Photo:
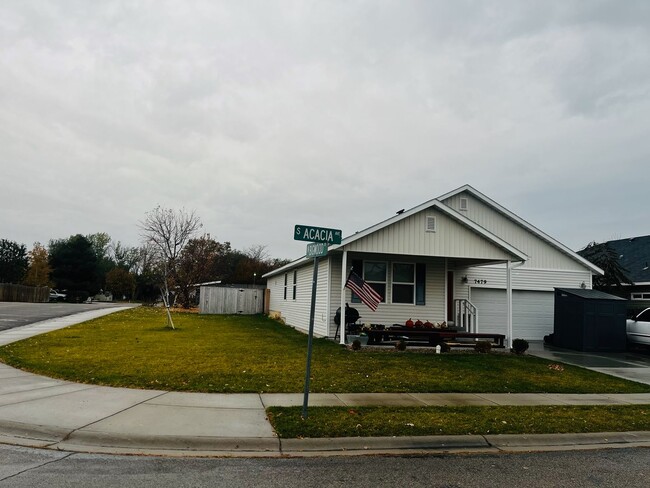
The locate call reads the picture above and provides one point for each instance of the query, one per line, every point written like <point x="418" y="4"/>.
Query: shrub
<point x="400" y="345"/>
<point x="356" y="345"/>
<point x="519" y="346"/>
<point x="483" y="347"/>
<point x="444" y="347"/>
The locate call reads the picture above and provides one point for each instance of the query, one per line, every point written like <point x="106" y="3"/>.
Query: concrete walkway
<point x="42" y="412"/>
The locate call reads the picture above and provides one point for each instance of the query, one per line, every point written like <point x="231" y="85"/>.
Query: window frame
<point x="354" y="298"/>
<point x="286" y="279"/>
<point x="412" y="283"/>
<point x="295" y="283"/>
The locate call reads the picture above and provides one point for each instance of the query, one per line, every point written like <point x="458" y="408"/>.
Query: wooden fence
<point x="20" y="293"/>
<point x="224" y="300"/>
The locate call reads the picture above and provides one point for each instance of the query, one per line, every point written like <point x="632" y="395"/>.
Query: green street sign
<point x="317" y="234"/>
<point x="316" y="250"/>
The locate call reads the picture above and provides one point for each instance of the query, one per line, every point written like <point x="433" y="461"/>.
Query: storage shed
<point x="589" y="320"/>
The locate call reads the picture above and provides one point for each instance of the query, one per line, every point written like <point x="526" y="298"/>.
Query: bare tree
<point x="257" y="252"/>
<point x="168" y="231"/>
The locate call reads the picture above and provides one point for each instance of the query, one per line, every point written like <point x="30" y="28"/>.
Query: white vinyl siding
<point x="398" y="313"/>
<point x="296" y="312"/>
<point x="522" y="278"/>
<point x="541" y="255"/>
<point x="409" y="237"/>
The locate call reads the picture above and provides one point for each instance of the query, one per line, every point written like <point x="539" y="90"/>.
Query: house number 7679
<point x="480" y="282"/>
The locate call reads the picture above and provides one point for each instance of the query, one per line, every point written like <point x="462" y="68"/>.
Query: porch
<point x="424" y="288"/>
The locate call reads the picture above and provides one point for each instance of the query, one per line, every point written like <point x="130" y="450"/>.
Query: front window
<point x="374" y="273"/>
<point x="403" y="283"/>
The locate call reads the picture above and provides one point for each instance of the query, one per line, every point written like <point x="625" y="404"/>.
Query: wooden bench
<point x="432" y="336"/>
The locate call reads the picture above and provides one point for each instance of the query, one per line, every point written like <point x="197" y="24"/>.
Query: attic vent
<point x="463" y="204"/>
<point x="431" y="223"/>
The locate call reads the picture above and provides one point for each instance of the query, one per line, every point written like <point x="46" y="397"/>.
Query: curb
<point x="196" y="446"/>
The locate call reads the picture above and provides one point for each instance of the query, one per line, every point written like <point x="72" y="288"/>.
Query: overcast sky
<point x="264" y="114"/>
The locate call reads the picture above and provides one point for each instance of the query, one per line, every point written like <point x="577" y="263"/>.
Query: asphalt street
<point x="17" y="314"/>
<point x="25" y="467"/>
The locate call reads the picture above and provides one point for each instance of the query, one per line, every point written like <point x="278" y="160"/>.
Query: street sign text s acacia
<point x="317" y="234"/>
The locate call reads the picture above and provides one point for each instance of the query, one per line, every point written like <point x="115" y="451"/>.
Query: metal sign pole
<point x="310" y="337"/>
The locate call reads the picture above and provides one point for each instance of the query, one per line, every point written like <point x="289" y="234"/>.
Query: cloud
<point x="261" y="115"/>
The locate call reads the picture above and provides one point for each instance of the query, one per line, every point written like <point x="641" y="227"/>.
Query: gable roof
<point x="634" y="256"/>
<point x="463" y="220"/>
<point x="531" y="228"/>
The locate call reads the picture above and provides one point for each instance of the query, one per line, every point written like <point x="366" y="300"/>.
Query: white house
<point x="460" y="258"/>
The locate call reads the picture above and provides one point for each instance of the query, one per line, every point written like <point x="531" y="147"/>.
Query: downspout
<point x="344" y="268"/>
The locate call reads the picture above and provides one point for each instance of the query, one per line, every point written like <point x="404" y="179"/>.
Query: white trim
<point x="444" y="209"/>
<point x="509" y="303"/>
<point x="392" y="282"/>
<point x="344" y="277"/>
<point x="524" y="224"/>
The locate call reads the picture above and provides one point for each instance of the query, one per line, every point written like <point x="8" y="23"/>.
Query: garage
<point x="532" y="312"/>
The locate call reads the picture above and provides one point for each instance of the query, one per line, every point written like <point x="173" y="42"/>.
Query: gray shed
<point x="589" y="320"/>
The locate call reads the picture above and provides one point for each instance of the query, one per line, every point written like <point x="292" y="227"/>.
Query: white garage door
<point x="532" y="312"/>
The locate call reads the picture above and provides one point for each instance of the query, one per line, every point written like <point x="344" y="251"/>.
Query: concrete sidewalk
<point x="42" y="412"/>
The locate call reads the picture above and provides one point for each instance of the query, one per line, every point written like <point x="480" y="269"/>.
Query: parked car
<point x="638" y="328"/>
<point x="55" y="296"/>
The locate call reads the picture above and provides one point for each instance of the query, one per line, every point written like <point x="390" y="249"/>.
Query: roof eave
<point x="558" y="245"/>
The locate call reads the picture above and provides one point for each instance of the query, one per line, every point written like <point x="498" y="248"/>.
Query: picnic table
<point x="433" y="337"/>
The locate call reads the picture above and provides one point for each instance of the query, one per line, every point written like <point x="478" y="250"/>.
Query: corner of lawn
<point x="235" y="353"/>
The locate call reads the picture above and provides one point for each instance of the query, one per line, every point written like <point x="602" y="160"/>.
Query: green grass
<point x="210" y="353"/>
<point x="409" y="421"/>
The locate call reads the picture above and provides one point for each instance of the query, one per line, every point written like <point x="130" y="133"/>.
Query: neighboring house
<point x="460" y="252"/>
<point x="634" y="257"/>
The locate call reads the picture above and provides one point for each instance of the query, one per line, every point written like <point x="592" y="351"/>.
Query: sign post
<point x="319" y="237"/>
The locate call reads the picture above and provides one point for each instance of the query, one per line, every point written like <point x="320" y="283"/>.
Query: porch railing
<point x="466" y="315"/>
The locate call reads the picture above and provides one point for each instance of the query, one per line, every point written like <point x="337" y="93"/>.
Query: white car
<point x="55" y="296"/>
<point x="638" y="329"/>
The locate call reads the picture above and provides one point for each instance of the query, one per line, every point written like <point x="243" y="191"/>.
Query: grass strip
<point x="420" y="421"/>
<point x="232" y="354"/>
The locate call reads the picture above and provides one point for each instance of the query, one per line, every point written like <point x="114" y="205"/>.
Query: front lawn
<point x="410" y="421"/>
<point x="212" y="353"/>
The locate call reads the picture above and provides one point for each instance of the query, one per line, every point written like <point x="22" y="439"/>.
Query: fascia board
<point x="293" y="264"/>
<point x="542" y="235"/>
<point x="445" y="209"/>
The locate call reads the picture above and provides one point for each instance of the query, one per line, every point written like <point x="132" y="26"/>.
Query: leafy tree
<point x="13" y="261"/>
<point x="74" y="266"/>
<point x="125" y="257"/>
<point x="102" y="247"/>
<point x="603" y="256"/>
<point x="38" y="272"/>
<point x="121" y="283"/>
<point x="198" y="263"/>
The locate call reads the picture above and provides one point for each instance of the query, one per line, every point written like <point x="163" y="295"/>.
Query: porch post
<point x="509" y="301"/>
<point x="344" y="273"/>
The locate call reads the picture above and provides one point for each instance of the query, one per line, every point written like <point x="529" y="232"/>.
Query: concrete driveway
<point x="631" y="365"/>
<point x="17" y="314"/>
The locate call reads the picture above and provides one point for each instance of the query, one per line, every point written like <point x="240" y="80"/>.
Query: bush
<point x="483" y="347"/>
<point x="519" y="346"/>
<point x="400" y="345"/>
<point x="444" y="347"/>
<point x="356" y="345"/>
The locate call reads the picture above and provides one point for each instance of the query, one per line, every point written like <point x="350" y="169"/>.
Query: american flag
<point x="363" y="290"/>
